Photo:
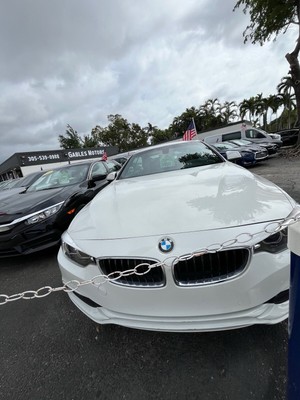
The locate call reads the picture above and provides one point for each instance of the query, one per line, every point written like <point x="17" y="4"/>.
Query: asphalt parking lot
<point x="49" y="350"/>
<point x="283" y="171"/>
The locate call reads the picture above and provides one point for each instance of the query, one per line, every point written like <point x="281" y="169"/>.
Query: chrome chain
<point x="98" y="280"/>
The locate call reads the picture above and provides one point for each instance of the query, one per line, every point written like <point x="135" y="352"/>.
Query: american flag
<point x="191" y="132"/>
<point x="104" y="156"/>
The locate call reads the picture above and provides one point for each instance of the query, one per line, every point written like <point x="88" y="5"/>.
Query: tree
<point x="180" y="123"/>
<point x="229" y="111"/>
<point x="288" y="115"/>
<point x="285" y="88"/>
<point x="121" y="133"/>
<point x="248" y="106"/>
<point x="268" y="19"/>
<point x="71" y="140"/>
<point x="161" y="135"/>
<point x="272" y="103"/>
<point x="210" y="113"/>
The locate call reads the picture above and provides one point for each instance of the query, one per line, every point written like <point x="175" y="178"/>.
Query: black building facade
<point x="21" y="164"/>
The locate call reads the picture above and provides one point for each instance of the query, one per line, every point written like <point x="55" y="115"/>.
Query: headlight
<point x="43" y="214"/>
<point x="76" y="255"/>
<point x="273" y="244"/>
<point x="246" y="154"/>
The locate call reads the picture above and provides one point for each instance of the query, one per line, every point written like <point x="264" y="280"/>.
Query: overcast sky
<point x="77" y="61"/>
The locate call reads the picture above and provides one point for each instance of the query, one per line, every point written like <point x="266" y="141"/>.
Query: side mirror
<point x="99" y="177"/>
<point x="111" y="176"/>
<point x="233" y="155"/>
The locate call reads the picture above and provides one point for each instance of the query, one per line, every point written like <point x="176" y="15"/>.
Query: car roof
<point x="168" y="144"/>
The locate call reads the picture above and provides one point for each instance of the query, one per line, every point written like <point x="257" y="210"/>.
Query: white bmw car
<point x="182" y="240"/>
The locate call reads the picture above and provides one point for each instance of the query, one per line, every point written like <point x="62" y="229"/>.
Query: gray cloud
<point x="74" y="62"/>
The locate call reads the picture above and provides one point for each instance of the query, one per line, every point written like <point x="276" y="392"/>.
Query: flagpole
<point x="191" y="131"/>
<point x="195" y="128"/>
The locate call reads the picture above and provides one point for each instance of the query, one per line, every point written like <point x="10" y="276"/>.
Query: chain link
<point x="144" y="268"/>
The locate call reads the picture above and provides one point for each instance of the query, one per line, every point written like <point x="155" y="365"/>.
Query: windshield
<point x="28" y="180"/>
<point x="170" y="158"/>
<point x="12" y="183"/>
<point x="242" y="142"/>
<point x="60" y="177"/>
<point x="225" y="146"/>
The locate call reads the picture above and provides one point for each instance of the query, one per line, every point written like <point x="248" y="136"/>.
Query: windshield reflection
<point x="60" y="177"/>
<point x="171" y="157"/>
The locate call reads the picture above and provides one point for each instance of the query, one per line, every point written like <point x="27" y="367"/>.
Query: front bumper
<point x="262" y="314"/>
<point x="234" y="303"/>
<point x="26" y="239"/>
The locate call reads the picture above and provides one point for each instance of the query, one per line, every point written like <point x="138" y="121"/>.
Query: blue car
<point x="248" y="156"/>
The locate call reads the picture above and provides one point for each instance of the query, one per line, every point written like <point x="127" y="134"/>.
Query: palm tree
<point x="181" y="122"/>
<point x="260" y="108"/>
<point x="273" y="103"/>
<point x="229" y="111"/>
<point x="263" y="105"/>
<point x="285" y="88"/>
<point x="248" y="106"/>
<point x="213" y="106"/>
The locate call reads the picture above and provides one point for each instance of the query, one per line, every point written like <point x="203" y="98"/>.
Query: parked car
<point x="18" y="185"/>
<point x="261" y="152"/>
<point x="289" y="137"/>
<point x="182" y="240"/>
<point x="10" y="183"/>
<point x="35" y="218"/>
<point x="5" y="184"/>
<point x="121" y="159"/>
<point x="248" y="157"/>
<point x="271" y="148"/>
<point x="28" y="180"/>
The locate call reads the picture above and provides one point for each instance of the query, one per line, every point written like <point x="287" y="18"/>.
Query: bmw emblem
<point x="166" y="245"/>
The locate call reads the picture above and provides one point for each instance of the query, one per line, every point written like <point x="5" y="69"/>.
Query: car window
<point x="60" y="177"/>
<point x="98" y="169"/>
<point x="4" y="184"/>
<point x="13" y="183"/>
<point x="28" y="180"/>
<point x="254" y="134"/>
<point x="225" y="146"/>
<point x="121" y="160"/>
<point x="231" y="136"/>
<point x="112" y="166"/>
<point x="170" y="158"/>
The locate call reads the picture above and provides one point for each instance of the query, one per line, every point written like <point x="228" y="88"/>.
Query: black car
<point x="35" y="218"/>
<point x="18" y="185"/>
<point x="271" y="148"/>
<point x="289" y="137"/>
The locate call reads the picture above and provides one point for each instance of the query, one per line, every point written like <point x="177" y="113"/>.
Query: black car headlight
<point x="274" y="243"/>
<point x="43" y="214"/>
<point x="76" y="255"/>
<point x="247" y="154"/>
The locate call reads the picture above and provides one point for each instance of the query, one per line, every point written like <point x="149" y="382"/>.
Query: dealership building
<point x="22" y="164"/>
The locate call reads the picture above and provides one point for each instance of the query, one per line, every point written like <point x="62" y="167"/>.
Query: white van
<point x="239" y="130"/>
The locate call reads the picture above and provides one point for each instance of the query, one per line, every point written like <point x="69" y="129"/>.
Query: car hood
<point x="249" y="148"/>
<point x="253" y="147"/>
<point x="4" y="194"/>
<point x="211" y="197"/>
<point x="24" y="203"/>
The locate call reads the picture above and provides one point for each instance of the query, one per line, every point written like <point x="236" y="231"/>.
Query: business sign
<point x="55" y="156"/>
<point x="41" y="157"/>
<point x="85" y="153"/>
